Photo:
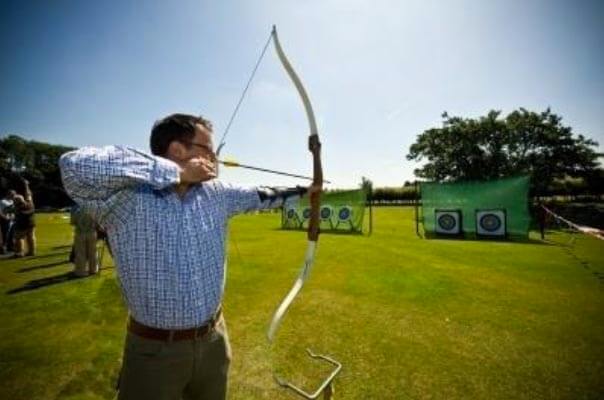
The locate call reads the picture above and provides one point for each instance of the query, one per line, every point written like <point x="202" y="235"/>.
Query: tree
<point x="366" y="184"/>
<point x="38" y="163"/>
<point x="490" y="147"/>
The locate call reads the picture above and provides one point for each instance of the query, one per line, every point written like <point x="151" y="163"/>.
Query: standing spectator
<point x="25" y="224"/>
<point x="84" y="243"/>
<point x="6" y="221"/>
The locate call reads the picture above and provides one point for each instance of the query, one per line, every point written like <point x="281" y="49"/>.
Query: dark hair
<point x="179" y="127"/>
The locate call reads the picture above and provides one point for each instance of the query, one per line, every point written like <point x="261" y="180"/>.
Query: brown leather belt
<point x="168" y="335"/>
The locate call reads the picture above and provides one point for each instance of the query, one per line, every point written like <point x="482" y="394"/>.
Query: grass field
<point x="408" y="318"/>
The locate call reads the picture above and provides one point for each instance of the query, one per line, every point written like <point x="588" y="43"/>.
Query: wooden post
<point x="417" y="210"/>
<point x="370" y="211"/>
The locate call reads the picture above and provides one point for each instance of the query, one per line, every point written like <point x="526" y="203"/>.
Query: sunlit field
<point x="408" y="318"/>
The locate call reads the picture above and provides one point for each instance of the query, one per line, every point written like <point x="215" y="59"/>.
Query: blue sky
<point x="378" y="73"/>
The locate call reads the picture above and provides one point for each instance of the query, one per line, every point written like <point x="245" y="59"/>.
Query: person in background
<point x="25" y="224"/>
<point x="6" y="222"/>
<point x="84" y="243"/>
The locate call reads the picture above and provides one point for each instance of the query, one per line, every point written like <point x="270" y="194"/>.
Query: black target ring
<point x="344" y="214"/>
<point x="490" y="222"/>
<point x="325" y="213"/>
<point x="447" y="222"/>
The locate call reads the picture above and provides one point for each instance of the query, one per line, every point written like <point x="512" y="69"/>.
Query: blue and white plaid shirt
<point x="169" y="251"/>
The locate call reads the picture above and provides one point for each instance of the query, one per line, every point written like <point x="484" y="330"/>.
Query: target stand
<point x="292" y="219"/>
<point x="326" y="387"/>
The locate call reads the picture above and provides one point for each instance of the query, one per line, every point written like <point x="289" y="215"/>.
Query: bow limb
<point x="315" y="195"/>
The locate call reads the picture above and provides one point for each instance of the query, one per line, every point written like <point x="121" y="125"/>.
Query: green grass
<point x="408" y="318"/>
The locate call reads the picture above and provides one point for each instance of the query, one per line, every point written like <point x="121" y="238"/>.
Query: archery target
<point x="291" y="214"/>
<point x="345" y="213"/>
<point x="491" y="222"/>
<point x="326" y="212"/>
<point x="448" y="222"/>
<point x="306" y="213"/>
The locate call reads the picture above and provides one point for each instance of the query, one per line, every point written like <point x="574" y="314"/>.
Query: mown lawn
<point x="409" y="318"/>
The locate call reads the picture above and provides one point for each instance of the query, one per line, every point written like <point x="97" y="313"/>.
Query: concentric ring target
<point x="306" y="213"/>
<point x="325" y="213"/>
<point x="291" y="213"/>
<point x="490" y="222"/>
<point x="344" y="214"/>
<point x="446" y="222"/>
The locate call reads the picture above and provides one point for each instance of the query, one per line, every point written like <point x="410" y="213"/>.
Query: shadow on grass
<point x="49" y="265"/>
<point x="101" y="375"/>
<point x="599" y="276"/>
<point x="62" y="253"/>
<point x="569" y="249"/>
<point x="62" y="247"/>
<point x="43" y="282"/>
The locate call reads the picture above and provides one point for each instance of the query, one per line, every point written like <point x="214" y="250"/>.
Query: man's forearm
<point x="272" y="197"/>
<point x="28" y="195"/>
<point x="96" y="173"/>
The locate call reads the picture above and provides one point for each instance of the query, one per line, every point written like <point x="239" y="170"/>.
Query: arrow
<point x="271" y="171"/>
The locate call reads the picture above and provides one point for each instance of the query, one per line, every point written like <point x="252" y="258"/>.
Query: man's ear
<point x="176" y="151"/>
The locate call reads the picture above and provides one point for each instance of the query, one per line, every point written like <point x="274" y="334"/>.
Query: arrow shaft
<point x="270" y="171"/>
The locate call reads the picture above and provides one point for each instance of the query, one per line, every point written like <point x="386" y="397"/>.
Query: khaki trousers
<point x="85" y="253"/>
<point x="187" y="369"/>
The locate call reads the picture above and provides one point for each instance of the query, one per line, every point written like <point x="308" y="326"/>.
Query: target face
<point x="490" y="222"/>
<point x="447" y="222"/>
<point x="291" y="213"/>
<point x="325" y="213"/>
<point x="344" y="213"/>
<point x="306" y="213"/>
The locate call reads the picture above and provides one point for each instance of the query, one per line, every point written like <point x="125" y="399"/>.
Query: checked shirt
<point x="169" y="251"/>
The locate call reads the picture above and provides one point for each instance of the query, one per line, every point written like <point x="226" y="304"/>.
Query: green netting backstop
<point x="510" y="195"/>
<point x="340" y="211"/>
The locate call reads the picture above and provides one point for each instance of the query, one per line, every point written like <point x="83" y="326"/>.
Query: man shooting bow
<point x="166" y="218"/>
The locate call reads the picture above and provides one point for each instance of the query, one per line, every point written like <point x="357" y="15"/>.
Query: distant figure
<point x="84" y="243"/>
<point x="7" y="216"/>
<point x="25" y="224"/>
<point x="542" y="218"/>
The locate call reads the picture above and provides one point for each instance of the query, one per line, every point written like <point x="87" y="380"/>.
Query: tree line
<point x="493" y="146"/>
<point x="521" y="143"/>
<point x="38" y="163"/>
